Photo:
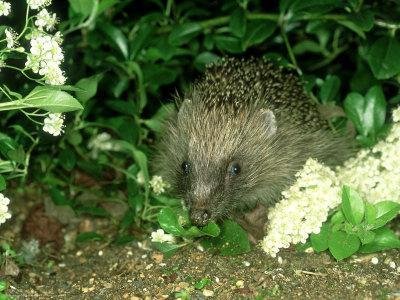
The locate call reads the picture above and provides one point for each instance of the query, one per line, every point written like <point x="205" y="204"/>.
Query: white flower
<point x="45" y="20"/>
<point x="4" y="214"/>
<point x="52" y="73"/>
<point x="158" y="184"/>
<point x="140" y="177"/>
<point x="10" y="38"/>
<point x="375" y="173"/>
<point x="53" y="124"/>
<point x="101" y="142"/>
<point x="5" y="8"/>
<point x="303" y="209"/>
<point x="36" y="4"/>
<point x="160" y="236"/>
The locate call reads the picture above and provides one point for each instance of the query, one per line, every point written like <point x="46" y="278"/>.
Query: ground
<point x="102" y="270"/>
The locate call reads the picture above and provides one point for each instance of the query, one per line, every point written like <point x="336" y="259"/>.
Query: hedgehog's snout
<point x="200" y="216"/>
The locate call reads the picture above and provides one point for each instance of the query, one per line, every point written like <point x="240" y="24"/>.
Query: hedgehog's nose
<point x="200" y="217"/>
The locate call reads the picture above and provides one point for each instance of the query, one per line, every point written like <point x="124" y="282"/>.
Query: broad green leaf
<point x="366" y="236"/>
<point x="51" y="99"/>
<point x="204" y="59"/>
<point x="320" y="241"/>
<point x="352" y="205"/>
<point x="168" y="221"/>
<point x="3" y="184"/>
<point x="227" y="43"/>
<point x="257" y="32"/>
<point x="367" y="113"/>
<point x="211" y="229"/>
<point x="385" y="212"/>
<point x="338" y="217"/>
<point x="67" y="159"/>
<point x="383" y="57"/>
<point x="117" y="37"/>
<point x="181" y="34"/>
<point x="384" y="239"/>
<point x="88" y="87"/>
<point x="330" y="89"/>
<point x="17" y="155"/>
<point x="202" y="283"/>
<point x="82" y="7"/>
<point x="3" y="285"/>
<point x="167" y="249"/>
<point x="233" y="240"/>
<point x="140" y="38"/>
<point x="370" y="213"/>
<point x="237" y="23"/>
<point x="343" y="245"/>
<point x="89" y="236"/>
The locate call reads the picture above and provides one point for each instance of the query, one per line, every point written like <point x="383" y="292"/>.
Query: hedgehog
<point x="238" y="137"/>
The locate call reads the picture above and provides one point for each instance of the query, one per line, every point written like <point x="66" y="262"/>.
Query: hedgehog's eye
<point x="185" y="167"/>
<point x="234" y="169"/>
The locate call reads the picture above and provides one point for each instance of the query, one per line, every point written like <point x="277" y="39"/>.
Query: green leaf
<point x="383" y="57"/>
<point x="352" y="206"/>
<point x="168" y="221"/>
<point x="233" y="240"/>
<point x="82" y="7"/>
<point x="320" y="241"/>
<point x="67" y="159"/>
<point x="123" y="107"/>
<point x="117" y="37"/>
<point x="211" y="229"/>
<point x="167" y="249"/>
<point x="312" y="6"/>
<point x="330" y="89"/>
<point x="366" y="236"/>
<point x="3" y="285"/>
<point x="124" y="239"/>
<point x="157" y="121"/>
<point x="204" y="59"/>
<point x="343" y="245"/>
<point x="385" y="212"/>
<point x="202" y="283"/>
<point x="3" y="183"/>
<point x="367" y="113"/>
<point x="257" y="32"/>
<point x="183" y="33"/>
<point x="230" y="44"/>
<point x="370" y="213"/>
<point x="88" y="87"/>
<point x="51" y="99"/>
<point x="338" y="217"/>
<point x="384" y="239"/>
<point x="237" y="23"/>
<point x="89" y="236"/>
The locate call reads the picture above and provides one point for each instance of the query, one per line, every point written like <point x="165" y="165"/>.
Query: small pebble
<point x="91" y="280"/>
<point x="240" y="284"/>
<point x="79" y="253"/>
<point x="280" y="260"/>
<point x="200" y="248"/>
<point x="129" y="253"/>
<point x="392" y="264"/>
<point x="144" y="256"/>
<point x="375" y="260"/>
<point x="148" y="267"/>
<point x="62" y="265"/>
<point x="208" y="293"/>
<point x="246" y="263"/>
<point x="101" y="253"/>
<point x="216" y="279"/>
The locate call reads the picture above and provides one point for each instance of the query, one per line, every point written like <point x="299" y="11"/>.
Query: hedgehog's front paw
<point x="253" y="222"/>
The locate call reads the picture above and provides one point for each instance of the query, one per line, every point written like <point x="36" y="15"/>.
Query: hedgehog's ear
<point x="269" y="121"/>
<point x="183" y="109"/>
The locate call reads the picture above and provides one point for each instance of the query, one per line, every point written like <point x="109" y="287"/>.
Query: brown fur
<point x="226" y="118"/>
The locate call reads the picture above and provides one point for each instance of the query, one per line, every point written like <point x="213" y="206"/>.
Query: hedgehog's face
<point x="216" y="174"/>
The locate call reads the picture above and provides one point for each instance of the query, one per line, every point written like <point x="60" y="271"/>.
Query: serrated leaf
<point x="384" y="239"/>
<point x="385" y="212"/>
<point x="51" y="99"/>
<point x="383" y="57"/>
<point x="343" y="245"/>
<point x="320" y="241"/>
<point x="352" y="205"/>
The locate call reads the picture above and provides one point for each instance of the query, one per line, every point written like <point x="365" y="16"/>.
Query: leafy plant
<point x="357" y="226"/>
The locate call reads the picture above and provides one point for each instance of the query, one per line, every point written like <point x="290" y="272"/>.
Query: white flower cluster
<point x="36" y="4"/>
<point x="4" y="214"/>
<point x="54" y="124"/>
<point x="10" y="38"/>
<point x="375" y="173"/>
<point x="5" y="8"/>
<point x="160" y="236"/>
<point x="46" y="56"/>
<point x="158" y="185"/>
<point x="303" y="209"/>
<point x="102" y="142"/>
<point x="46" y="20"/>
